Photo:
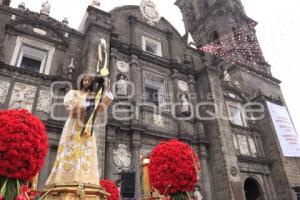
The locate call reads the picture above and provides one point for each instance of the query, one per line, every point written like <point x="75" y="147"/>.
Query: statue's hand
<point x="91" y="96"/>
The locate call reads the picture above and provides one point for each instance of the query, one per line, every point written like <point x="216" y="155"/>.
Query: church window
<point x="32" y="59"/>
<point x="236" y="114"/>
<point x="155" y="92"/>
<point x="32" y="55"/>
<point x="244" y="145"/>
<point x="151" y="46"/>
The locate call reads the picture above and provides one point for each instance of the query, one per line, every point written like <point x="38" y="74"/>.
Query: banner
<point x="288" y="138"/>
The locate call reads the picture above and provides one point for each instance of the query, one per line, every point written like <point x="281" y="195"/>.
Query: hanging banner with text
<point x="288" y="138"/>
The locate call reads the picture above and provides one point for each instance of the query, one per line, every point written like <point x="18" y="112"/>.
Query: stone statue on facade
<point x="121" y="86"/>
<point x="226" y="76"/>
<point x="122" y="158"/>
<point x="184" y="104"/>
<point x="45" y="8"/>
<point x="95" y="3"/>
<point x="197" y="194"/>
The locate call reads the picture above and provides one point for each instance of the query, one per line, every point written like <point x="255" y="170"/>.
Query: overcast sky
<point x="278" y="32"/>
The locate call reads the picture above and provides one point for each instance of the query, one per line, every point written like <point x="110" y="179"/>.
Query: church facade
<point x="164" y="87"/>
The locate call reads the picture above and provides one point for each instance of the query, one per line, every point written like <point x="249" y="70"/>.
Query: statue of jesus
<point x="76" y="160"/>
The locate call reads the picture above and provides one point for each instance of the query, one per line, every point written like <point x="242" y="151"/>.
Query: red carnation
<point x="173" y="168"/>
<point x="23" y="144"/>
<point x="111" y="188"/>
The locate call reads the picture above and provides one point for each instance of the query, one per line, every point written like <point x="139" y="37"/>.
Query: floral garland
<point x="111" y="188"/>
<point x="173" y="169"/>
<point x="23" y="148"/>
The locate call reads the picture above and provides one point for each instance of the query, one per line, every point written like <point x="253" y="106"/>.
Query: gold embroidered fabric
<point x="76" y="160"/>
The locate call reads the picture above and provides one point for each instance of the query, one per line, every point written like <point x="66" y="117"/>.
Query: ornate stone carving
<point x="65" y="21"/>
<point x="45" y="8"/>
<point x="122" y="158"/>
<point x="148" y="9"/>
<point x="184" y="104"/>
<point x="121" y="86"/>
<point x="22" y="96"/>
<point x="243" y="144"/>
<point x="226" y="76"/>
<point x="122" y="66"/>
<point x="4" y="86"/>
<point x="158" y="120"/>
<point x="235" y="142"/>
<point x="40" y="31"/>
<point x="44" y="102"/>
<point x="234" y="171"/>
<point x="21" y="6"/>
<point x="95" y="3"/>
<point x="182" y="85"/>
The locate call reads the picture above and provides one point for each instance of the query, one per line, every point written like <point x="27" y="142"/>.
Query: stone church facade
<point x="162" y="86"/>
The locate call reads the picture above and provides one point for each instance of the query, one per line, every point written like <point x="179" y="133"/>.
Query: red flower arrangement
<point x="173" y="168"/>
<point x="111" y="188"/>
<point x="23" y="148"/>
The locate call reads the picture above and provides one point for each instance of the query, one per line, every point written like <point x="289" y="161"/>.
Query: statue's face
<point x="122" y="77"/>
<point x="87" y="82"/>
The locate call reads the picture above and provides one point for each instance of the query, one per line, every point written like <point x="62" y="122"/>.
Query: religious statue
<point x="76" y="160"/>
<point x="184" y="104"/>
<point x="121" y="86"/>
<point x="226" y="76"/>
<point x="197" y="194"/>
<point x="95" y="3"/>
<point x="45" y="8"/>
<point x="76" y="163"/>
<point x="122" y="158"/>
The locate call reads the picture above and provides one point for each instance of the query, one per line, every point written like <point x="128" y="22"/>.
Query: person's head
<point x="86" y="83"/>
<point x="122" y="77"/>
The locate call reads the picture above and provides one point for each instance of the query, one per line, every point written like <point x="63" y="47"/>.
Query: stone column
<point x="192" y="89"/>
<point x="205" y="173"/>
<point x="170" y="46"/>
<point x="267" y="188"/>
<point x="136" y="78"/>
<point x="132" y="22"/>
<point x="112" y="66"/>
<point x="49" y="161"/>
<point x="176" y="89"/>
<point x="45" y="171"/>
<point x="109" y="165"/>
<point x="136" y="144"/>
<point x="272" y="188"/>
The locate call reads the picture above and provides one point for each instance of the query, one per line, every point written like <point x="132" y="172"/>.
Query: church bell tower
<point x="225" y="23"/>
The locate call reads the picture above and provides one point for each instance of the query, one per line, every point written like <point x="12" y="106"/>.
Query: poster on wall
<point x="288" y="138"/>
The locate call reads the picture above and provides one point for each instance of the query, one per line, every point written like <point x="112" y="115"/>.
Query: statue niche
<point x="121" y="87"/>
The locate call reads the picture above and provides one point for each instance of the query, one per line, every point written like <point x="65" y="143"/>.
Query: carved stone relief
<point x="44" y="102"/>
<point x="122" y="158"/>
<point x="158" y="120"/>
<point x="183" y="86"/>
<point x="243" y="144"/>
<point x="122" y="66"/>
<point x="121" y="89"/>
<point x="22" y="96"/>
<point x="148" y="9"/>
<point x="4" y="86"/>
